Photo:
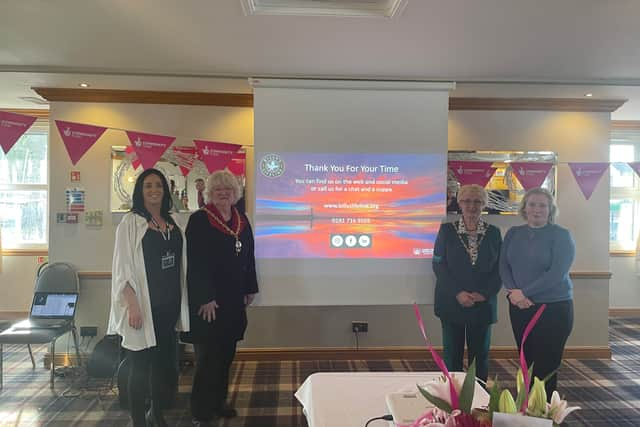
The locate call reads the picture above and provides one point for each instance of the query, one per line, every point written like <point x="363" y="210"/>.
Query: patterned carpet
<point x="607" y="390"/>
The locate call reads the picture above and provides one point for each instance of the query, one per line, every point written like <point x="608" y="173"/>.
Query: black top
<point x="162" y="259"/>
<point x="216" y="272"/>
<point x="455" y="273"/>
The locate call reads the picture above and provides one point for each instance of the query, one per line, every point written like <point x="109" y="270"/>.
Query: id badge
<point x="168" y="260"/>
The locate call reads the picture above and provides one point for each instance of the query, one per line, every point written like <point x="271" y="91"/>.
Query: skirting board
<point x="388" y="353"/>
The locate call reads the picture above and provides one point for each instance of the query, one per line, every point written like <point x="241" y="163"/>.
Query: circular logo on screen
<point x="271" y="165"/>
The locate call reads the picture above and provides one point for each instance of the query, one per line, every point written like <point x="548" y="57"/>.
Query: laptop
<point x="50" y="310"/>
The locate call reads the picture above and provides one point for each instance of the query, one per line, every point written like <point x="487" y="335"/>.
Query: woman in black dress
<point x="221" y="278"/>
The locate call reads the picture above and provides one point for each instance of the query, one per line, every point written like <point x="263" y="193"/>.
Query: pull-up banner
<point x="12" y="127"/>
<point x="149" y="147"/>
<point x="237" y="164"/>
<point x="472" y="172"/>
<point x="531" y="174"/>
<point x="78" y="138"/>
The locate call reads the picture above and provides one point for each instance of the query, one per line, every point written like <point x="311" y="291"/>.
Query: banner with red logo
<point x="587" y="175"/>
<point x="12" y="127"/>
<point x="184" y="158"/>
<point x="215" y="155"/>
<point x="237" y="164"/>
<point x="149" y="147"/>
<point x="531" y="174"/>
<point x="78" y="138"/>
<point x="472" y="172"/>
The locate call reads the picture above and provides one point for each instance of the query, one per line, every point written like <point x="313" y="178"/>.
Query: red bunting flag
<point x="587" y="175"/>
<point x="184" y="158"/>
<point x="237" y="164"/>
<point x="133" y="156"/>
<point x="149" y="147"/>
<point x="12" y="127"/>
<point x="472" y="172"/>
<point x="531" y="174"/>
<point x="215" y="155"/>
<point x="635" y="166"/>
<point x="78" y="138"/>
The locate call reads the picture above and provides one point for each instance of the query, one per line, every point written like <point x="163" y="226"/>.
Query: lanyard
<point x="168" y="236"/>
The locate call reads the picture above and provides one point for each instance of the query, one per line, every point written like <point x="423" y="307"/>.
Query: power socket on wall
<point x="88" y="331"/>
<point x="359" y="326"/>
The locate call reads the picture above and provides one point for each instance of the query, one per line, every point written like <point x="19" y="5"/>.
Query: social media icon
<point x="337" y="240"/>
<point x="364" y="241"/>
<point x="351" y="240"/>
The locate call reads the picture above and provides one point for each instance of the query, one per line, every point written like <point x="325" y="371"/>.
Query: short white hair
<point x="226" y="179"/>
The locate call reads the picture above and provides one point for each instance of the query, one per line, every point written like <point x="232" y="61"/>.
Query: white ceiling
<point x="580" y="45"/>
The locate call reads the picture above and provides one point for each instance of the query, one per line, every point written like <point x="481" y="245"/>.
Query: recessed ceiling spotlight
<point x="588" y="95"/>
<point x="84" y="85"/>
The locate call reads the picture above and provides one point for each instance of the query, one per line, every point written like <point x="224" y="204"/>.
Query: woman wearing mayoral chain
<point x="465" y="261"/>
<point x="222" y="282"/>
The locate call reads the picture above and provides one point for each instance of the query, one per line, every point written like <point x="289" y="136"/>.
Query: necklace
<point x="226" y="228"/>
<point x="474" y="241"/>
<point x="157" y="225"/>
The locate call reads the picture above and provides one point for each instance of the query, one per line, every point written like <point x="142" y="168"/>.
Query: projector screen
<point x="350" y="180"/>
<point x="328" y="205"/>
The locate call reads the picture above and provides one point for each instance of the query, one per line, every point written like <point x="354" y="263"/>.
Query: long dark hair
<point x="138" y="198"/>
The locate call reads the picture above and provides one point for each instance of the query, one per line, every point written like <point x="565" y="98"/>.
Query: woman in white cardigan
<point x="149" y="300"/>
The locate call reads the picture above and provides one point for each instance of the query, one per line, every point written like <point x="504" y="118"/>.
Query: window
<point x="624" y="208"/>
<point x="24" y="189"/>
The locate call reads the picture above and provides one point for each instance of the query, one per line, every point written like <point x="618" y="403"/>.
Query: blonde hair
<point x="473" y="189"/>
<point x="223" y="178"/>
<point x="553" y="208"/>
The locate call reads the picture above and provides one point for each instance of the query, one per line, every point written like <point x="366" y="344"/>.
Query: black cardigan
<point x="455" y="273"/>
<point x="215" y="272"/>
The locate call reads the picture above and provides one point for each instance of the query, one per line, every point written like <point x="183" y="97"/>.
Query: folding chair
<point x="57" y="282"/>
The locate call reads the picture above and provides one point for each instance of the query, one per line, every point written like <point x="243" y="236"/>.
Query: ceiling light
<point x="84" y="85"/>
<point x="588" y="95"/>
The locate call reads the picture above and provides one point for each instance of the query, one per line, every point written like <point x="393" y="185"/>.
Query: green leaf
<point x="468" y="387"/>
<point x="522" y="393"/>
<point x="494" y="397"/>
<point x="439" y="403"/>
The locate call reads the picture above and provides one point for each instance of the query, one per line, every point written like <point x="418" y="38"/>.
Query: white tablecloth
<point x="350" y="399"/>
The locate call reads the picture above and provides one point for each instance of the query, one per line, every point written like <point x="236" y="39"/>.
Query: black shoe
<point x="199" y="423"/>
<point x="155" y="419"/>
<point x="227" y="412"/>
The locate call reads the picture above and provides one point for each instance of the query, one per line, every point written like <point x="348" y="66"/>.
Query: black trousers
<point x="545" y="344"/>
<point x="153" y="371"/>
<point x="478" y="338"/>
<point x="211" y="378"/>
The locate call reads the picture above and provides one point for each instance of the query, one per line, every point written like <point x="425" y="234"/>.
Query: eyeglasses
<point x="470" y="202"/>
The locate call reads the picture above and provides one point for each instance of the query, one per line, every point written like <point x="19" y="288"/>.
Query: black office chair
<point x="57" y="277"/>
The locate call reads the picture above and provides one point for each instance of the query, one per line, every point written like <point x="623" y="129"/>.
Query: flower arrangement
<point x="452" y="395"/>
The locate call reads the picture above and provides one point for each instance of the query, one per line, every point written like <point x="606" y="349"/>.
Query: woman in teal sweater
<point x="465" y="261"/>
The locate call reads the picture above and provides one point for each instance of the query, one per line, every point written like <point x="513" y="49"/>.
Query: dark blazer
<point x="215" y="272"/>
<point x="455" y="273"/>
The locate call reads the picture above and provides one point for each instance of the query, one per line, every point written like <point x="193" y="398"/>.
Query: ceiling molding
<point x="536" y="104"/>
<point x="261" y="82"/>
<point x="145" y="97"/>
<point x="39" y="113"/>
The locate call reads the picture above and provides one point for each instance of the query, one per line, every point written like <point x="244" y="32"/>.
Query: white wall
<point x="625" y="283"/>
<point x="575" y="136"/>
<point x="90" y="249"/>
